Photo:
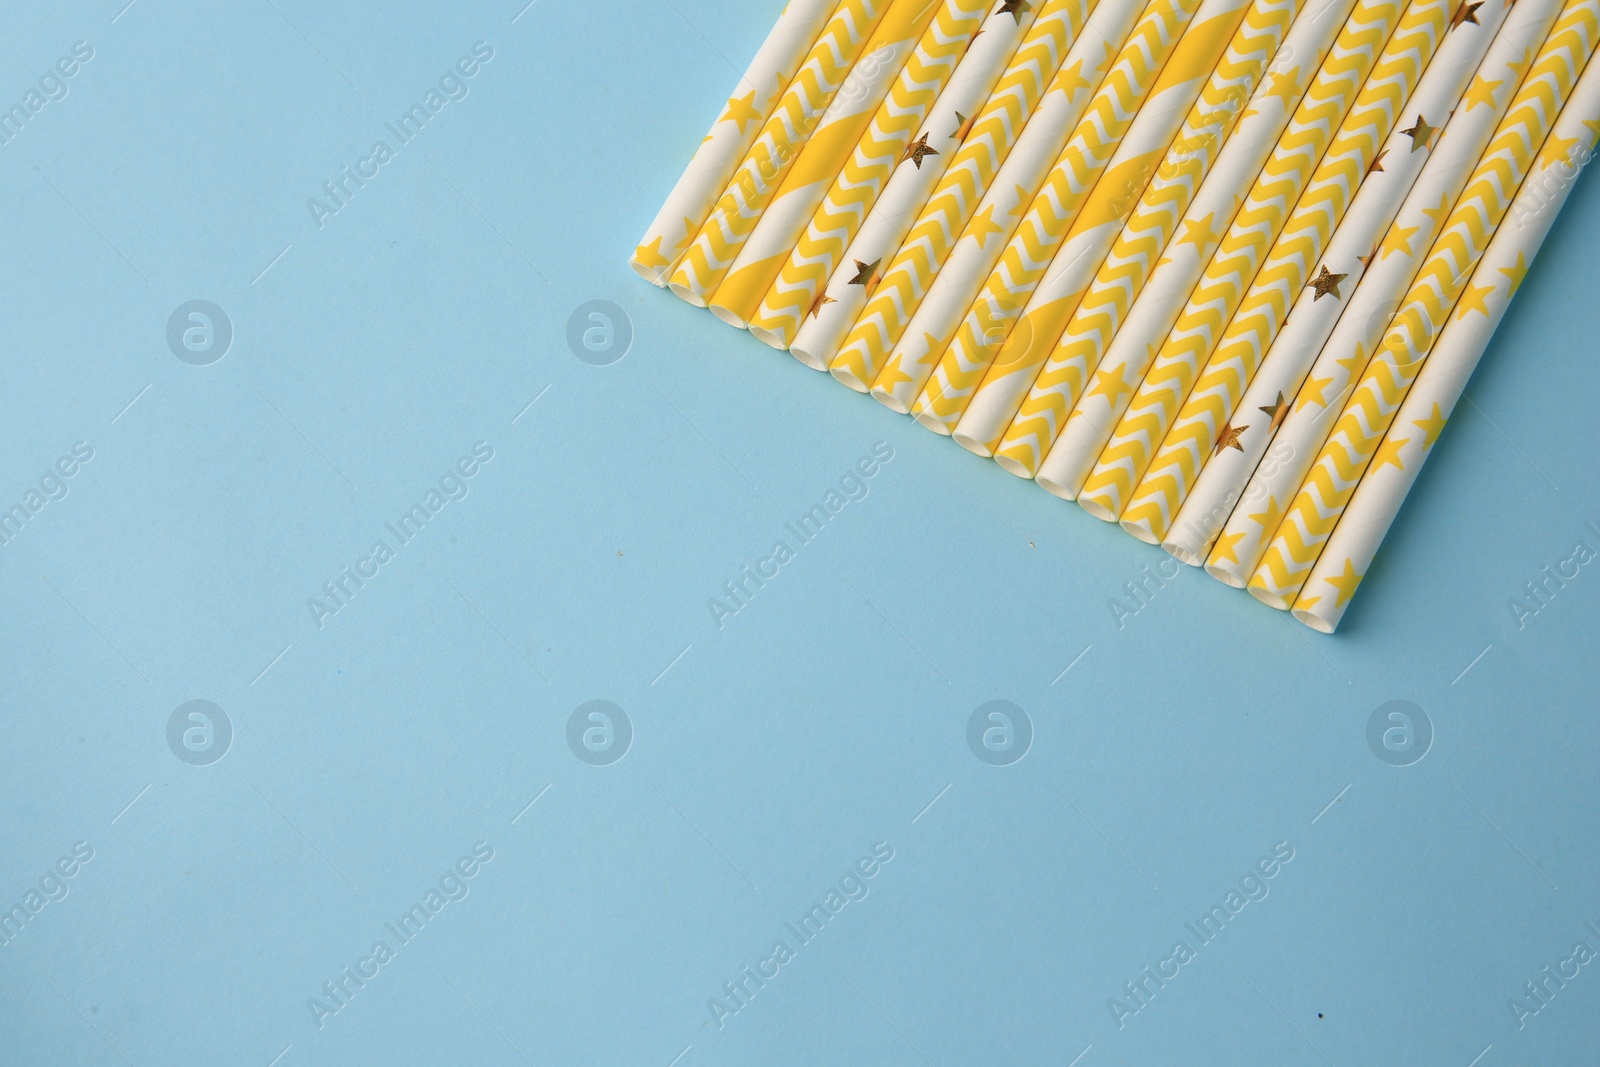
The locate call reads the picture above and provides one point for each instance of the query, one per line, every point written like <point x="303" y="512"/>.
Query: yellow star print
<point x="1557" y="150"/>
<point x="1439" y="214"/>
<point x="1481" y="92"/>
<point x="1311" y="393"/>
<point x="894" y="373"/>
<point x="983" y="225"/>
<point x="1430" y="427"/>
<point x="650" y="255"/>
<point x="1268" y="520"/>
<point x="1346" y="584"/>
<point x="1070" y="79"/>
<point x="1109" y="382"/>
<point x="1199" y="232"/>
<point x="1516" y="272"/>
<point x="742" y="109"/>
<point x="1285" y="87"/>
<point x="1227" y="548"/>
<point x="1389" y="452"/>
<point x="1398" y="239"/>
<point x="1472" y="300"/>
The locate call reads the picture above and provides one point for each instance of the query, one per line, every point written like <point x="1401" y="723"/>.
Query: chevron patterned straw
<point x="1032" y="75"/>
<point x="837" y="301"/>
<point x="1079" y="422"/>
<point x="1250" y="528"/>
<point x="1120" y="189"/>
<point x="731" y="136"/>
<point x="1233" y="266"/>
<point x="856" y="188"/>
<point x="974" y="255"/>
<point x="1204" y="424"/>
<point x="783" y="135"/>
<point x="833" y="142"/>
<point x="993" y="303"/>
<point x="1273" y="388"/>
<point x="1441" y="281"/>
<point x="1432" y="397"/>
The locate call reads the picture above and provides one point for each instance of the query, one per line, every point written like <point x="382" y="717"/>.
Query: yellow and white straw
<point x="1443" y="279"/>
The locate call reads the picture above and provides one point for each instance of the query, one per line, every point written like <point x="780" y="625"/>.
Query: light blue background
<point x="770" y="754"/>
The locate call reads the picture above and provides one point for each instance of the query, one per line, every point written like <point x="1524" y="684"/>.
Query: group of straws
<point x="1218" y="270"/>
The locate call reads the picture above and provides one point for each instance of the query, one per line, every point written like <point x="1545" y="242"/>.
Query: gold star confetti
<point x="1464" y="14"/>
<point x="1229" y="438"/>
<point x="1366" y="260"/>
<point x="1377" y="161"/>
<point x="919" y="149"/>
<point x="1326" y="284"/>
<point x="1015" y="8"/>
<point x="964" y="129"/>
<point x="867" y="275"/>
<point x="1420" y="134"/>
<point x="1278" y="410"/>
<point x="822" y="301"/>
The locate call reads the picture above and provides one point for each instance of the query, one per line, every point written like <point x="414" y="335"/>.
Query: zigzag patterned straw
<point x="1032" y="74"/>
<point x="974" y="255"/>
<point x="1074" y="424"/>
<point x="1272" y="390"/>
<point x="1216" y="29"/>
<point x="1204" y="424"/>
<point x="826" y="152"/>
<point x="1433" y="396"/>
<point x="723" y="234"/>
<point x="1442" y="280"/>
<point x="1255" y="517"/>
<point x="857" y="186"/>
<point x="731" y="136"/>
<point x="837" y="301"/>
<point x="1233" y="266"/>
<point x="993" y="304"/>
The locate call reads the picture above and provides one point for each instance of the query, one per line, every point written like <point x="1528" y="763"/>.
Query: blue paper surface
<point x="399" y="747"/>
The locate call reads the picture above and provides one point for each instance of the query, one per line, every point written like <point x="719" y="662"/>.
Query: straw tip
<point x="1315" y="621"/>
<point x="929" y="421"/>
<point x="889" y="400"/>
<point x="1225" y="576"/>
<point x="686" y="294"/>
<point x="972" y="444"/>
<point x="770" y="338"/>
<point x="1268" y="597"/>
<point x="1141" y="530"/>
<point x="844" y="375"/>
<point x="1054" y="488"/>
<point x="1183" y="553"/>
<point x="1013" y="465"/>
<point x="653" y="275"/>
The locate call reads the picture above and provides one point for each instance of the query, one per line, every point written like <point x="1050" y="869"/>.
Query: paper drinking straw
<point x="1033" y="72"/>
<point x="1140" y="303"/>
<point x="1433" y="395"/>
<point x="1237" y="551"/>
<point x="1223" y="478"/>
<point x="973" y="255"/>
<point x="837" y="301"/>
<point x="826" y="152"/>
<point x="730" y="138"/>
<point x="712" y="250"/>
<point x="979" y="290"/>
<point x="1440" y="282"/>
<point x="1222" y="286"/>
<point x="855" y="190"/>
<point x="1084" y="247"/>
<point x="1204" y="424"/>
